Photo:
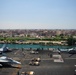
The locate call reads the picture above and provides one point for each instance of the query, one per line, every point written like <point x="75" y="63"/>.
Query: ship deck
<point x="51" y="63"/>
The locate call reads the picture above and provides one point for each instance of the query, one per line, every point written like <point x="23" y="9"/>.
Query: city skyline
<point x="37" y="14"/>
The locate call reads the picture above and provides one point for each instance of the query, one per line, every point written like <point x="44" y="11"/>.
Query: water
<point x="35" y="46"/>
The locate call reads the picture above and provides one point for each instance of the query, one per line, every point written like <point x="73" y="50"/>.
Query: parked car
<point x="28" y="73"/>
<point x="34" y="52"/>
<point x="34" y="63"/>
<point x="36" y="59"/>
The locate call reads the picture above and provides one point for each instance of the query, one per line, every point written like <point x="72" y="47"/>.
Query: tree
<point x="71" y="41"/>
<point x="62" y="36"/>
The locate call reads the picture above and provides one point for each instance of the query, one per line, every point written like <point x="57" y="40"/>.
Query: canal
<point x="19" y="46"/>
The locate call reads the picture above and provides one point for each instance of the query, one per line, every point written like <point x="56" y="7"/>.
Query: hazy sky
<point x="37" y="14"/>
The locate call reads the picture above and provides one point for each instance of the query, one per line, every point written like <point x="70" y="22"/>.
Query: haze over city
<point x="37" y="14"/>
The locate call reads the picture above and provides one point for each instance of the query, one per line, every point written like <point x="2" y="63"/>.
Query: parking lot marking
<point x="41" y="59"/>
<point x="70" y="58"/>
<point x="58" y="58"/>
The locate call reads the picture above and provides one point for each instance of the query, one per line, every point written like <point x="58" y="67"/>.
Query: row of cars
<point x="33" y="62"/>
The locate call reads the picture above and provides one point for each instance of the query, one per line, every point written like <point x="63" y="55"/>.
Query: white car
<point x="36" y="59"/>
<point x="34" y="52"/>
<point x="28" y="73"/>
<point x="34" y="63"/>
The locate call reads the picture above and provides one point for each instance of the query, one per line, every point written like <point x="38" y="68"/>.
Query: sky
<point x="37" y="14"/>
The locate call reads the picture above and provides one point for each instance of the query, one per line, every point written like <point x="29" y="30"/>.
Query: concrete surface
<point x="47" y="64"/>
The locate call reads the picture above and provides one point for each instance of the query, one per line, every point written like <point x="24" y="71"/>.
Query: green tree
<point x="71" y="41"/>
